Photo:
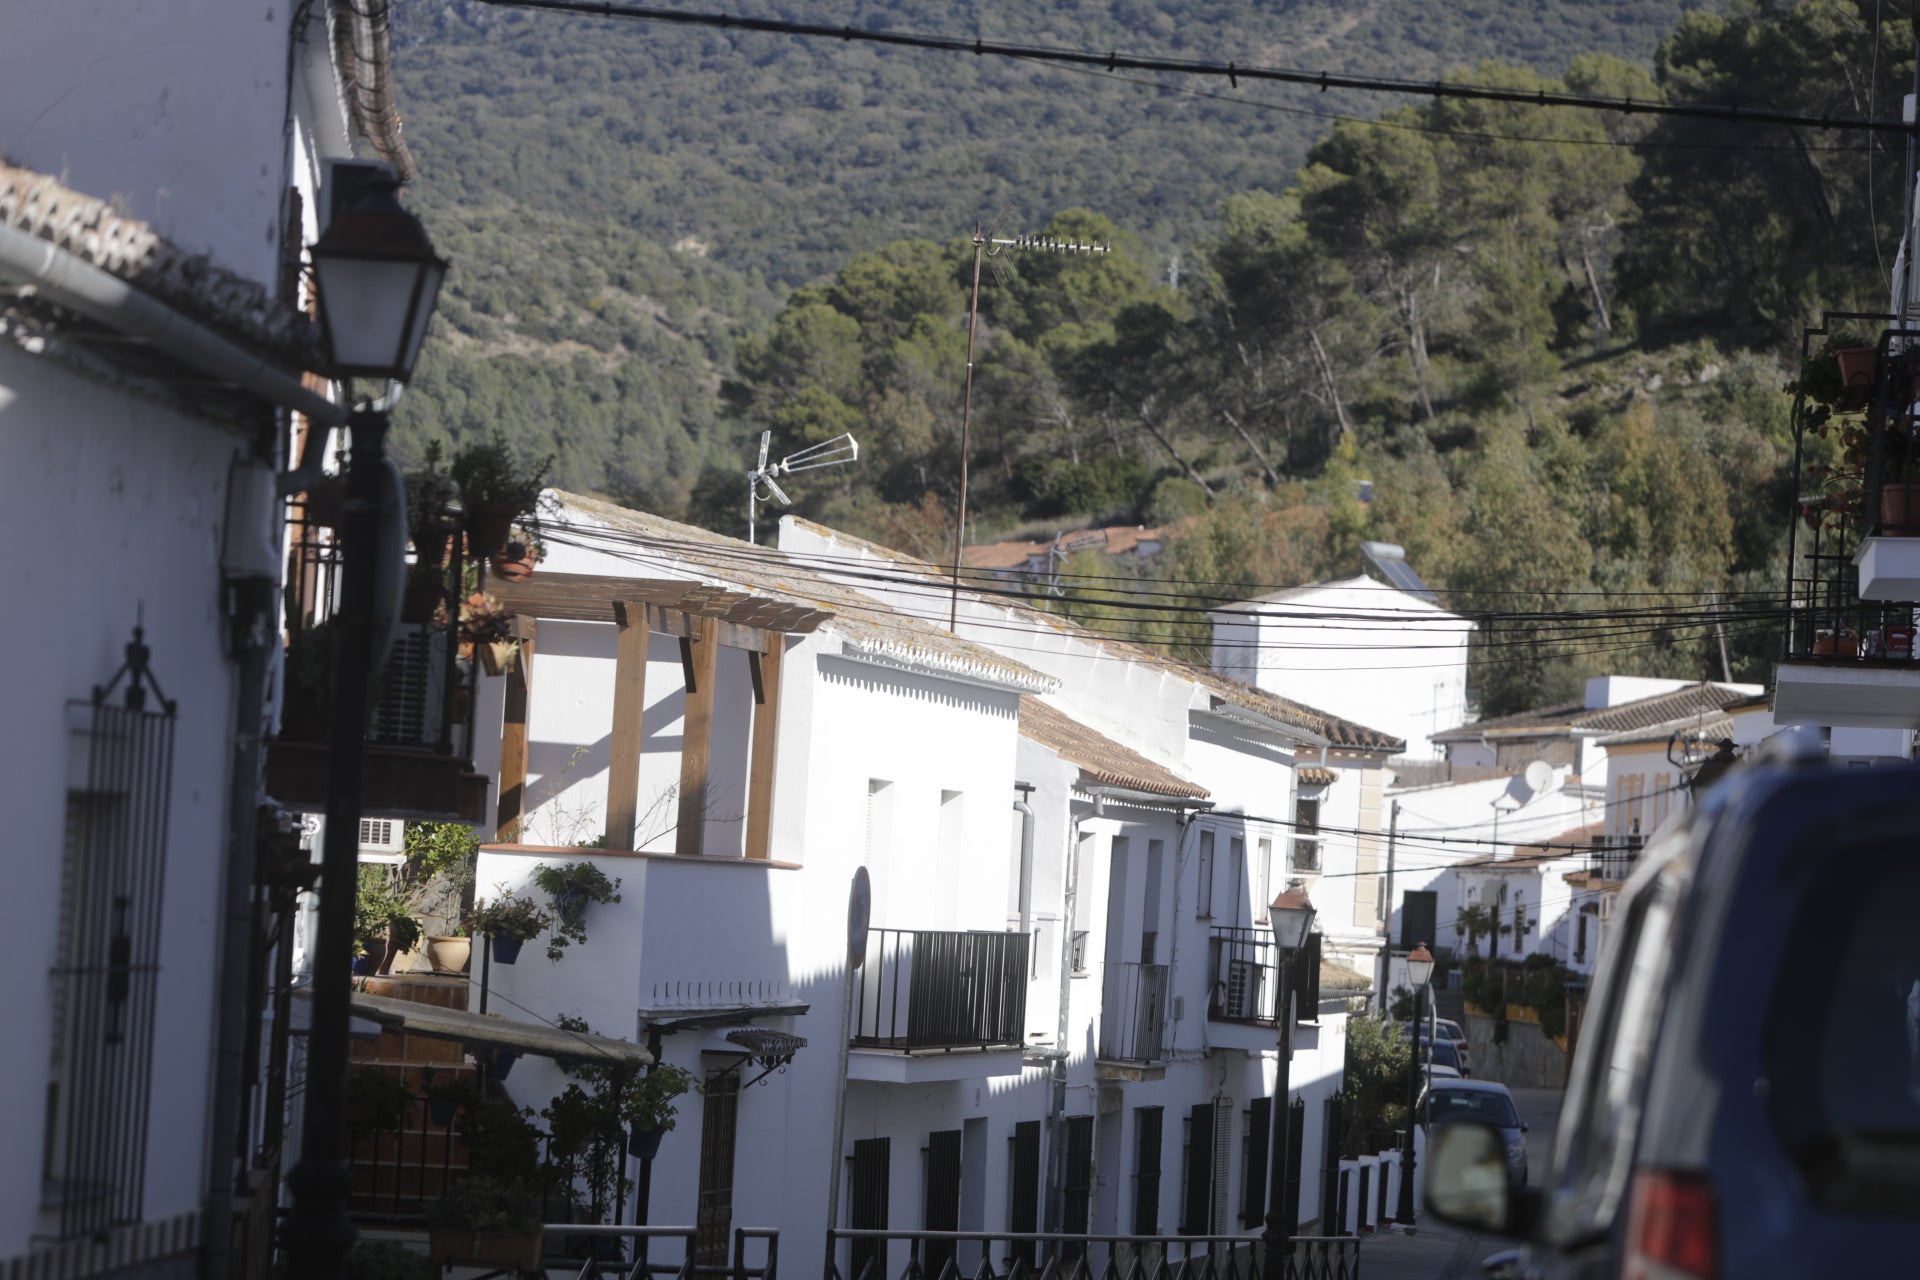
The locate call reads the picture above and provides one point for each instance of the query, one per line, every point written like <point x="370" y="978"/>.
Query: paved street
<point x="1438" y="1252"/>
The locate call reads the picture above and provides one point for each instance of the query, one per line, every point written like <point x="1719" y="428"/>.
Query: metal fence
<point x="1133" y="1013"/>
<point x="968" y="1255"/>
<point x="637" y="1253"/>
<point x="932" y="990"/>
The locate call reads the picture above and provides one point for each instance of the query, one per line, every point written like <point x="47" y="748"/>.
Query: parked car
<point x="1443" y="1029"/>
<point x="1483" y="1102"/>
<point x="1744" y="1099"/>
<point x="1441" y="1058"/>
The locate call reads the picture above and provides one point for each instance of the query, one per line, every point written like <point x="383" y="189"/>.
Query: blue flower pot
<point x="570" y="905"/>
<point x="644" y="1144"/>
<point x="506" y="950"/>
<point x="503" y="1060"/>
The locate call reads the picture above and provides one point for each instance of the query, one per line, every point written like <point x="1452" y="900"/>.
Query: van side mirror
<point x="1468" y="1184"/>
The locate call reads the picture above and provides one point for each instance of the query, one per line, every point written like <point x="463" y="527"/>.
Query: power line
<point x="1232" y="72"/>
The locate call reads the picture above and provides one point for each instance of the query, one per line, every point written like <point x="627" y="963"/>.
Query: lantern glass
<point x="1292" y="923"/>
<point x="1419" y="967"/>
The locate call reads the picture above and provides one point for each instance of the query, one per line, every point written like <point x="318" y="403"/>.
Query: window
<point x="1078" y="955"/>
<point x="1263" y="880"/>
<point x="1146" y="1170"/>
<point x="1150" y="901"/>
<point x="1237" y="875"/>
<point x="1306" y="828"/>
<point x="1203" y="903"/>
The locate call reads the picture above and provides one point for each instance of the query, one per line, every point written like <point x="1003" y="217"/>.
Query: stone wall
<point x="1529" y="1059"/>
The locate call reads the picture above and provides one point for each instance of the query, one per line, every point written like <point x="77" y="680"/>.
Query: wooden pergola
<point x="702" y="618"/>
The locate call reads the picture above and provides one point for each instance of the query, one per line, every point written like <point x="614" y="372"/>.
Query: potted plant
<point x="385" y="1260"/>
<point x="517" y="561"/>
<point x="481" y="1222"/>
<point x="424" y="594"/>
<point x="648" y="1107"/>
<point x="509" y="922"/>
<point x="445" y="1097"/>
<point x="572" y="886"/>
<point x="377" y="1100"/>
<point x="494" y="492"/>
<point x="487" y="629"/>
<point x="383" y="920"/>
<point x="431" y="497"/>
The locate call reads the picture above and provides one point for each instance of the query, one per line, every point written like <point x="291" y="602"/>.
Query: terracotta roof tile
<point x="1099" y="757"/>
<point x="1574" y="717"/>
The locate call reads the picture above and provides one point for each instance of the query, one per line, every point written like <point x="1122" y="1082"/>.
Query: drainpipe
<point x="1057" y="1103"/>
<point x="250" y="561"/>
<point x="1025" y="811"/>
<point x="69" y="281"/>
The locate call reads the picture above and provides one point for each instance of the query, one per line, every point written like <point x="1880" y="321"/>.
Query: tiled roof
<point x="1338" y="978"/>
<point x="89" y="229"/>
<point x="1708" y="729"/>
<point x="1226" y="692"/>
<point x="1099" y="757"/>
<point x="869" y="627"/>
<point x="1113" y="540"/>
<point x="1532" y="857"/>
<point x="1316" y="777"/>
<point x="1577" y="718"/>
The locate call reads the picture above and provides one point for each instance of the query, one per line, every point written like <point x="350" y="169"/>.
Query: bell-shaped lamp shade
<point x="1292" y="919"/>
<point x="1420" y="966"/>
<point x="379" y="279"/>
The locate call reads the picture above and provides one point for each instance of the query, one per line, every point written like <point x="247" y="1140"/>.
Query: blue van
<point x="1744" y="1098"/>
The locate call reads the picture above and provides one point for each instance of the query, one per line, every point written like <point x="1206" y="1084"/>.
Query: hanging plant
<point x="573" y="886"/>
<point x="509" y="921"/>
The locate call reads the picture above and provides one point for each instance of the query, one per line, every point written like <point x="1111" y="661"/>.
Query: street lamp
<point x="1419" y="973"/>
<point x="1292" y="916"/>
<point x="378" y="278"/>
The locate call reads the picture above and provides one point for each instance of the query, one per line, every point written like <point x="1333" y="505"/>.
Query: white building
<point x="159" y="179"/>
<point x="1066" y="1014"/>
<point x="1378" y="650"/>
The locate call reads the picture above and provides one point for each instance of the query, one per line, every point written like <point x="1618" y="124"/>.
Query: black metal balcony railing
<point x="1249" y="982"/>
<point x="1133" y="1012"/>
<point x="1613" y="858"/>
<point x="928" y="990"/>
<point x="970" y="1255"/>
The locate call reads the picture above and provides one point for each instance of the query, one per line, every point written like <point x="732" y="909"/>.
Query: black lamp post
<point x="378" y="278"/>
<point x="1419" y="973"/>
<point x="1292" y="924"/>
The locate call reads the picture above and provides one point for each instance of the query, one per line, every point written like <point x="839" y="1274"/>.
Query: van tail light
<point x="1672" y="1232"/>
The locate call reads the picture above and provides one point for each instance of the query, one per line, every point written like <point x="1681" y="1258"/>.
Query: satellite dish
<point x="1539" y="776"/>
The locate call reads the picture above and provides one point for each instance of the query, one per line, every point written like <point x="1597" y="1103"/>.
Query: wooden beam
<point x="702" y="656"/>
<point x="760" y="758"/>
<point x="629" y="709"/>
<point x="512" y="806"/>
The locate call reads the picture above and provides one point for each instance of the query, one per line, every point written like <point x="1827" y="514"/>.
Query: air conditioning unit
<point x="382" y="840"/>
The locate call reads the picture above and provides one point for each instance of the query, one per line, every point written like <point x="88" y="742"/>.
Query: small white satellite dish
<point x="1539" y="776"/>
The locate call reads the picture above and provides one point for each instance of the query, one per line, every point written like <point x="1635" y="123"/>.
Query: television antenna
<point x="988" y="245"/>
<point x="828" y="453"/>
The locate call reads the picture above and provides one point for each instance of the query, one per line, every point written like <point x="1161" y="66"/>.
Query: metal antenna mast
<point x="828" y="453"/>
<point x="988" y="245"/>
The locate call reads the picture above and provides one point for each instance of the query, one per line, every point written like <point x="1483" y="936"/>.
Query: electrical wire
<point x="1232" y="72"/>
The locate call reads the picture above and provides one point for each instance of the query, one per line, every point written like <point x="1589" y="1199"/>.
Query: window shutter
<point x="1253" y="1182"/>
<point x="1199" y="1195"/>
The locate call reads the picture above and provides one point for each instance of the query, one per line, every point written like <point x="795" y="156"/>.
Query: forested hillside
<point x="1553" y="340"/>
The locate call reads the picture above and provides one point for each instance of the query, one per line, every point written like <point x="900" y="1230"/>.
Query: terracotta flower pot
<point x="511" y="570"/>
<point x="489" y="525"/>
<point x="1859" y="367"/>
<point x="1900" y="510"/>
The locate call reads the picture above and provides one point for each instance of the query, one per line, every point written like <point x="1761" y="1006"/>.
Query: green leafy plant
<point x="383" y="907"/>
<point x="572" y="886"/>
<point x="1375" y="1083"/>
<point x="508" y="917"/>
<point x="649" y="1104"/>
<point x="489" y="474"/>
<point x="503" y="1143"/>
<point x="441" y="858"/>
<point x="386" y="1260"/>
<point x="431" y="492"/>
<point x="480" y="1203"/>
<point x="378" y="1099"/>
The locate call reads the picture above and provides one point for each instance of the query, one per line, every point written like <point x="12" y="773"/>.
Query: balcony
<point x="1249" y="985"/>
<point x="420" y="723"/>
<point x="1133" y="1013"/>
<point x="1848" y="658"/>
<point x="1614" y="858"/>
<point x="958" y="998"/>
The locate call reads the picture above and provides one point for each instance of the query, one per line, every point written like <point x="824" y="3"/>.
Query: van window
<point x="1595" y="1144"/>
<point x="1842" y="1055"/>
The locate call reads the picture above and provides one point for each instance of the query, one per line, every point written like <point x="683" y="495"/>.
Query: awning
<point x="762" y="1042"/>
<point x="544" y="1041"/>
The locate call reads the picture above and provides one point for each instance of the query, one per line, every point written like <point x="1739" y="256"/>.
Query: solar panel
<point x="1391" y="562"/>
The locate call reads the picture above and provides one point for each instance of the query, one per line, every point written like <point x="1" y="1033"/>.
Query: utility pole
<point x="1386" y="949"/>
<point x="987" y="245"/>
